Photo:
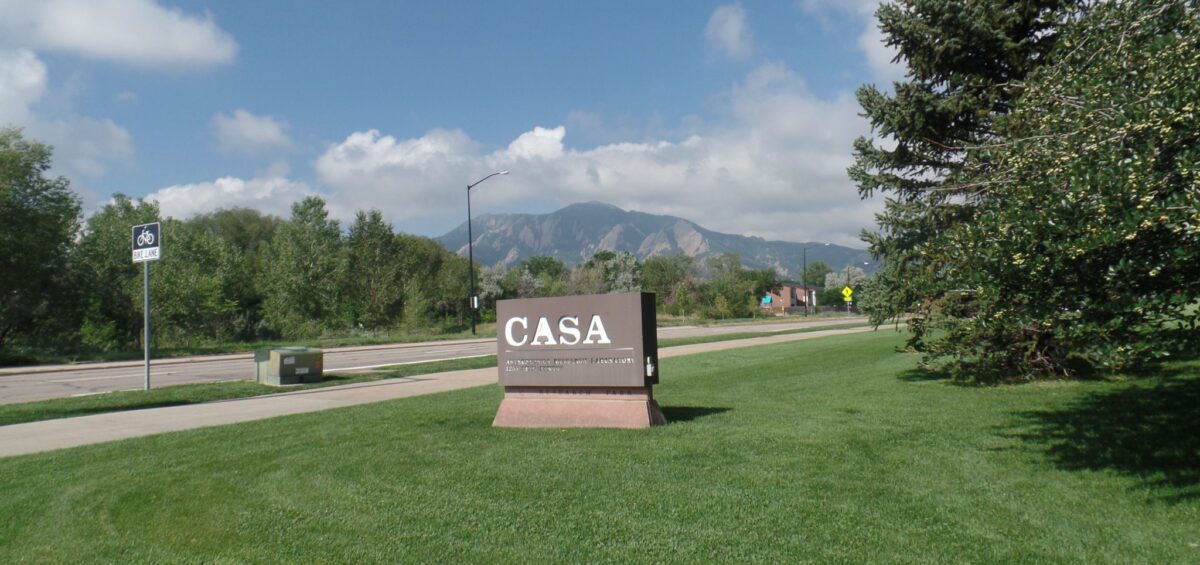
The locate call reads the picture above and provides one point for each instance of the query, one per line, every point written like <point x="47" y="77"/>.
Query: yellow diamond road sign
<point x="846" y="292"/>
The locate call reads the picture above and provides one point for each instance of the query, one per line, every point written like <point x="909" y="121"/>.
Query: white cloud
<point x="248" y="133"/>
<point x="879" y="56"/>
<point x="138" y="32"/>
<point x="541" y="143"/>
<point x="83" y="146"/>
<point x="776" y="168"/>
<point x="274" y="195"/>
<point x="728" y="33"/>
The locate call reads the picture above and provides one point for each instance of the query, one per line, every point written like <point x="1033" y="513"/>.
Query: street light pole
<point x="804" y="276"/>
<point x="474" y="300"/>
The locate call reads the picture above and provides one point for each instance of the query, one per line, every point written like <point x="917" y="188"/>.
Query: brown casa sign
<point x="578" y="361"/>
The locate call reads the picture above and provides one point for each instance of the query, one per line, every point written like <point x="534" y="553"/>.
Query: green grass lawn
<point x="830" y="450"/>
<point x="674" y="341"/>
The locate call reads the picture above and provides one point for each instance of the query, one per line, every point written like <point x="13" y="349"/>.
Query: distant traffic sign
<point x="147" y="243"/>
<point x="847" y="292"/>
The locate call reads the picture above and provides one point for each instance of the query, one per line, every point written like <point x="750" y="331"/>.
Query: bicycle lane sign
<point x="147" y="243"/>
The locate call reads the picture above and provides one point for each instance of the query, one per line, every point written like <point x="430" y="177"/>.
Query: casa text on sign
<point x="147" y="243"/>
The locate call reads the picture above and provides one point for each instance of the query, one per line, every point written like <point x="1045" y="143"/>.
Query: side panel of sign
<point x="650" y="337"/>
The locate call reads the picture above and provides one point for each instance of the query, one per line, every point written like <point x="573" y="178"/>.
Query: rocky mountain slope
<point x="576" y="232"/>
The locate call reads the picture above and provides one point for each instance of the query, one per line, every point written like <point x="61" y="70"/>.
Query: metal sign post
<point x="147" y="247"/>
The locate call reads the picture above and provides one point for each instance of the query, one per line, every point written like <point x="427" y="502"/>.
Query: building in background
<point x="788" y="298"/>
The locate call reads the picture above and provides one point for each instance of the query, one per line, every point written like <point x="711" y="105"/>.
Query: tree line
<point x="237" y="275"/>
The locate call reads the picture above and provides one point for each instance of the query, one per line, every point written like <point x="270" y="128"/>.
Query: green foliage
<point x="733" y="291"/>
<point x="303" y="272"/>
<point x="684" y="297"/>
<point x="621" y="272"/>
<point x="547" y="268"/>
<point x="587" y="279"/>
<point x="39" y="217"/>
<point x="831" y="297"/>
<point x="110" y="282"/>
<point x="663" y="274"/>
<point x="374" y="276"/>
<point x="196" y="286"/>
<point x="814" y="274"/>
<point x="536" y="277"/>
<point x="1060" y="232"/>
<point x="246" y="229"/>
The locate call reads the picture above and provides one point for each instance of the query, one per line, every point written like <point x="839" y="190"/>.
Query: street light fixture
<point x="474" y="300"/>
<point x="804" y="277"/>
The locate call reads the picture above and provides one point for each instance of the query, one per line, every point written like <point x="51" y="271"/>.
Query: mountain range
<point x="574" y="233"/>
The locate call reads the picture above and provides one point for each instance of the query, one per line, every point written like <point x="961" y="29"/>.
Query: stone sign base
<point x="578" y="407"/>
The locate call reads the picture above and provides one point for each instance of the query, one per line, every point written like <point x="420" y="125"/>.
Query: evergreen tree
<point x="1052" y="228"/>
<point x="966" y="62"/>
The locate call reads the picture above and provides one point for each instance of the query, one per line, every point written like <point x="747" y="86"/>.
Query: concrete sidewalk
<point x="34" y="437"/>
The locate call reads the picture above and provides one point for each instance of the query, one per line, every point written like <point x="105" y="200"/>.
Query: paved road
<point x="39" y="383"/>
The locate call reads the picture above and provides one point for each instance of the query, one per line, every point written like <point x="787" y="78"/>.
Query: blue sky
<point x="736" y="115"/>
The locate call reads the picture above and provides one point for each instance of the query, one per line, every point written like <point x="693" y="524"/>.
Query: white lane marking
<point x="406" y="363"/>
<point x="131" y="376"/>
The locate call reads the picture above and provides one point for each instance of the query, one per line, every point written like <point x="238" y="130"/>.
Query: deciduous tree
<point x="39" y="217"/>
<point x="303" y="273"/>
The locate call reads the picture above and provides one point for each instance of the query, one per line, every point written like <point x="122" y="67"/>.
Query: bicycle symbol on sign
<point x="145" y="238"/>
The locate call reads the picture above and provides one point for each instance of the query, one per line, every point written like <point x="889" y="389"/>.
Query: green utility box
<point x="288" y="365"/>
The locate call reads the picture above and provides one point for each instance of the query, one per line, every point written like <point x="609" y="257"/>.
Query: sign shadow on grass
<point x="689" y="413"/>
<point x="1150" y="431"/>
